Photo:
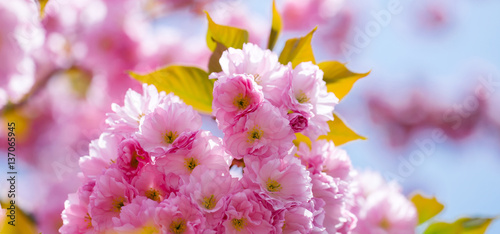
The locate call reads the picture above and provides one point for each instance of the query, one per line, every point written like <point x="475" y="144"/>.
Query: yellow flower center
<point x="139" y="117"/>
<point x="178" y="226"/>
<point x="384" y="224"/>
<point x="118" y="203"/>
<point x="191" y="163"/>
<point x="148" y="229"/>
<point x="255" y="134"/>
<point x="302" y="97"/>
<point x="89" y="220"/>
<point x="257" y="78"/>
<point x="170" y="137"/>
<point x="273" y="185"/>
<point x="238" y="224"/>
<point x="241" y="102"/>
<point x="209" y="202"/>
<point x="153" y="194"/>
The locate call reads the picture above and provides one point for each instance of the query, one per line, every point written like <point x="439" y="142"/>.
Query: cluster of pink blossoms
<point x="156" y="171"/>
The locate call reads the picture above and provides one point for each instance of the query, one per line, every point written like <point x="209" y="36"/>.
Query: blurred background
<point x="430" y="107"/>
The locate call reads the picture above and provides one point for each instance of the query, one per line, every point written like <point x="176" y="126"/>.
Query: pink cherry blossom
<point x="234" y="97"/>
<point x="281" y="182"/>
<point x="137" y="217"/>
<point x="386" y="211"/>
<point x="110" y="194"/>
<point x="298" y="121"/>
<point x="307" y="95"/>
<point x="298" y="220"/>
<point x="76" y="217"/>
<point x="178" y="215"/>
<point x="211" y="191"/>
<point x="206" y="150"/>
<point x="184" y="141"/>
<point x="246" y="213"/>
<point x="155" y="185"/>
<point x="128" y="117"/>
<point x="326" y="188"/>
<point x="262" y="64"/>
<point x="131" y="157"/>
<point x="263" y="132"/>
<point x="162" y="127"/>
<point x="207" y="187"/>
<point x="323" y="156"/>
<point x="102" y="154"/>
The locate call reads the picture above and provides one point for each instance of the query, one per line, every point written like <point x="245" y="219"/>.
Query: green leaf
<point x="226" y="35"/>
<point x="339" y="80"/>
<point x="340" y="133"/>
<point x="298" y="50"/>
<point x="213" y="62"/>
<point x="191" y="84"/>
<point x="462" y="226"/>
<point x="426" y="207"/>
<point x="276" y="27"/>
<point x="24" y="223"/>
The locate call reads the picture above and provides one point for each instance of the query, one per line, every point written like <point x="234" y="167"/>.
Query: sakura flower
<point x="235" y="96"/>
<point x="184" y="141"/>
<point x="250" y="60"/>
<point x="178" y="215"/>
<point x="387" y="211"/>
<point x="263" y="132"/>
<point x="247" y="214"/>
<point x="298" y="121"/>
<point x="75" y="216"/>
<point x="137" y="217"/>
<point x="153" y="184"/>
<point x="102" y="154"/>
<point x="207" y="187"/>
<point x="206" y="150"/>
<point x="262" y="64"/>
<point x="306" y="94"/>
<point x="326" y="188"/>
<point x="380" y="206"/>
<point x="131" y="157"/>
<point x="162" y="127"/>
<point x="110" y="194"/>
<point x="323" y="156"/>
<point x="211" y="190"/>
<point x="298" y="220"/>
<point x="281" y="183"/>
<point x="128" y="117"/>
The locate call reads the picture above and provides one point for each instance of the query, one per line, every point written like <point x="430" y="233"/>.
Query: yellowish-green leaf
<point x="226" y="35"/>
<point x="426" y="207"/>
<point x="340" y="133"/>
<point x="298" y="50"/>
<point x="23" y="223"/>
<point x="42" y="3"/>
<point x="191" y="84"/>
<point x="213" y="62"/>
<point x="339" y="80"/>
<point x="299" y="137"/>
<point x="461" y="226"/>
<point x="276" y="27"/>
